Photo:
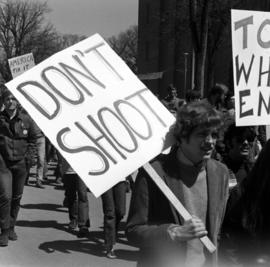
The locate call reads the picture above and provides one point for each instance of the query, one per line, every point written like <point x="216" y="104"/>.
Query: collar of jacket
<point x="18" y="115"/>
<point x="171" y="163"/>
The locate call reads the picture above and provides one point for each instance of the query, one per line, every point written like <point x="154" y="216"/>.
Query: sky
<point x="86" y="17"/>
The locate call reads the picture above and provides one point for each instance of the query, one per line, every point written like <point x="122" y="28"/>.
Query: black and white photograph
<point x="134" y="133"/>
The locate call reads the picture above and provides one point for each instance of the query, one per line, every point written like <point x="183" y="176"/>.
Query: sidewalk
<point x="45" y="240"/>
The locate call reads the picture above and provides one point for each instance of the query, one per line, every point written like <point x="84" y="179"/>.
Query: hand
<point x="193" y="228"/>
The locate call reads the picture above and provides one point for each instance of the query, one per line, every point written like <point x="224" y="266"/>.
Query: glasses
<point x="242" y="139"/>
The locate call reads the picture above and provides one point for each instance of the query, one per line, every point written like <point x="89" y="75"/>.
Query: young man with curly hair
<point x="197" y="180"/>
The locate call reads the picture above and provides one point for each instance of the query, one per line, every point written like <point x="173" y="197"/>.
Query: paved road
<point x="44" y="239"/>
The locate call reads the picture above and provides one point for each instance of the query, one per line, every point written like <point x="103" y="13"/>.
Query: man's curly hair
<point x="195" y="115"/>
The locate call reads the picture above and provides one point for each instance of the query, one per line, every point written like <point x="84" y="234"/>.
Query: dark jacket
<point x="239" y="244"/>
<point x="16" y="135"/>
<point x="151" y="213"/>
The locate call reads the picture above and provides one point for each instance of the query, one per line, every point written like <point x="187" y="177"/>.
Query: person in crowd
<point x="197" y="180"/>
<point x="5" y="197"/>
<point x="261" y="129"/>
<point x="50" y="151"/>
<point x="238" y="150"/>
<point x="58" y="173"/>
<point x="76" y="198"/>
<point x="230" y="103"/>
<point x="171" y="101"/>
<point x="246" y="229"/>
<point x="216" y="96"/>
<point x="114" y="209"/>
<point x="36" y="157"/>
<point x="193" y="95"/>
<point x="17" y="132"/>
<point x="51" y="157"/>
<point x="41" y="161"/>
<point x="31" y="155"/>
<point x="172" y="93"/>
<point x="229" y="110"/>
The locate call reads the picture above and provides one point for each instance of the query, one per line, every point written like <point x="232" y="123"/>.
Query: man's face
<point x="220" y="98"/>
<point x="174" y="93"/>
<point x="230" y="103"/>
<point x="199" y="145"/>
<point x="10" y="103"/>
<point x="239" y="148"/>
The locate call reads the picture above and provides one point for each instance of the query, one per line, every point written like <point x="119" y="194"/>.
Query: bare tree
<point x="67" y="40"/>
<point x="125" y="45"/>
<point x="22" y="30"/>
<point x="199" y="25"/>
<point x="207" y="22"/>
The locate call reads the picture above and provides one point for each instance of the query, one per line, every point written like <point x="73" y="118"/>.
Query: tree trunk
<point x="200" y="71"/>
<point x="200" y="39"/>
<point x="210" y="72"/>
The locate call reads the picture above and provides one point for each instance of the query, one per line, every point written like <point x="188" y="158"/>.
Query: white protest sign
<point x="19" y="65"/>
<point x="251" y="63"/>
<point x="95" y="111"/>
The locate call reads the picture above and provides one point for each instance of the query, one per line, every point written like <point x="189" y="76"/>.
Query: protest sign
<point x="19" y="65"/>
<point x="251" y="64"/>
<point x="95" y="111"/>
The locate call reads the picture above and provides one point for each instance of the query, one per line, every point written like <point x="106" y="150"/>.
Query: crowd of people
<point x="217" y="170"/>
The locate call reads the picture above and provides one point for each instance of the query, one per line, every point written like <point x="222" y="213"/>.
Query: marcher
<point x="229" y="111"/>
<point x="171" y="101"/>
<point x="76" y="198"/>
<point x="53" y="156"/>
<point x="238" y="146"/>
<point x="5" y="197"/>
<point x="17" y="132"/>
<point x="36" y="157"/>
<point x="199" y="182"/>
<point x="41" y="169"/>
<point x="216" y="96"/>
<point x="114" y="209"/>
<point x="246" y="229"/>
<point x="193" y="95"/>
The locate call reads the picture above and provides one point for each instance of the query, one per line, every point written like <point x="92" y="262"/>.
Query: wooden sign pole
<point x="175" y="202"/>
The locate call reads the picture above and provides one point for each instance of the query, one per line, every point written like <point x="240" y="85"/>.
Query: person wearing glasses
<point x="245" y="239"/>
<point x="241" y="150"/>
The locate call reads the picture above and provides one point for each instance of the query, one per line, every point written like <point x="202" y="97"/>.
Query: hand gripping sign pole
<point x="175" y="202"/>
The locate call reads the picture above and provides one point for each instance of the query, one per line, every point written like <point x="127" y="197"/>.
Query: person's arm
<point x="193" y="228"/>
<point x="140" y="231"/>
<point x="33" y="132"/>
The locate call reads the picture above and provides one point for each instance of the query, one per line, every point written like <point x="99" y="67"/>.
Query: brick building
<point x="164" y="59"/>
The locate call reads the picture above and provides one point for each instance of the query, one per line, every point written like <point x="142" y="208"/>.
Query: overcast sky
<point x="86" y="17"/>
